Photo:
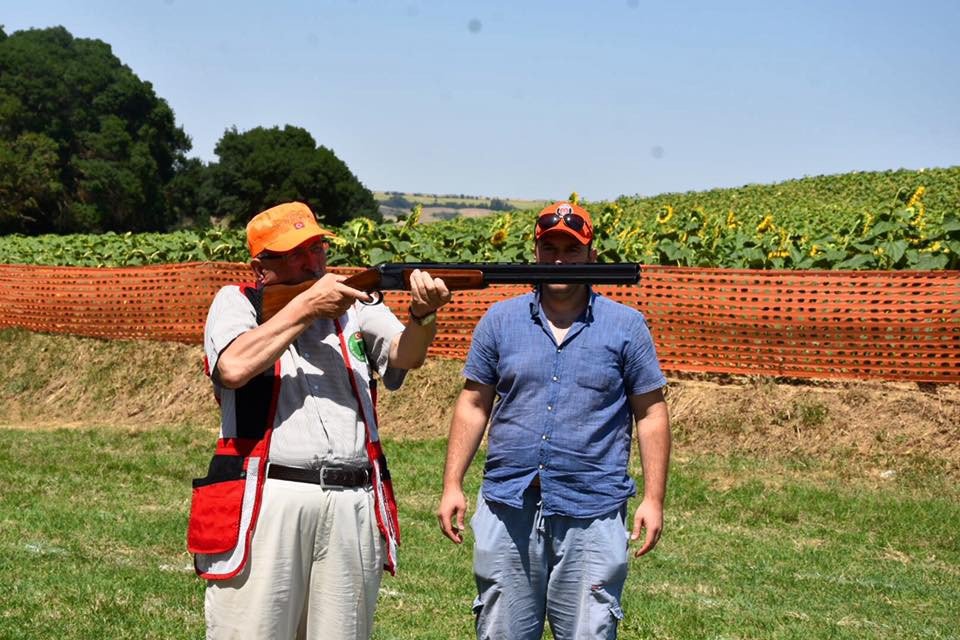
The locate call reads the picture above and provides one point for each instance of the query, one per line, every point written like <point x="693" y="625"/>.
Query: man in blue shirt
<point x="572" y="371"/>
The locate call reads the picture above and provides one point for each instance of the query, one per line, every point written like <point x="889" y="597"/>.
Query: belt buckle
<point x="323" y="477"/>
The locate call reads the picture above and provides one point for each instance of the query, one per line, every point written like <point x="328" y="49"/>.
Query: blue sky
<point x="535" y="99"/>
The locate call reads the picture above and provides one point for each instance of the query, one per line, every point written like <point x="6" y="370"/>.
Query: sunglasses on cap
<point x="571" y="220"/>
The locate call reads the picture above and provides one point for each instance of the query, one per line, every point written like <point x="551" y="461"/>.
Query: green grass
<point x="92" y="546"/>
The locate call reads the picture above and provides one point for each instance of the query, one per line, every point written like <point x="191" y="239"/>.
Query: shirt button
<point x="559" y="349"/>
<point x="541" y="466"/>
<point x="555" y="378"/>
<point x="544" y="437"/>
<point x="549" y="407"/>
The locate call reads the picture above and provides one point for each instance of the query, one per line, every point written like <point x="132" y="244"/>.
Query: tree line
<point x="398" y="201"/>
<point x="87" y="146"/>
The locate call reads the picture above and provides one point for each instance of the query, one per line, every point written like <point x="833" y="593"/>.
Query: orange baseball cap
<point x="282" y="228"/>
<point x="565" y="217"/>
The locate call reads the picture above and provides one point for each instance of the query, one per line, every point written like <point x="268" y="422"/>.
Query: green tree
<point x="115" y="143"/>
<point x="29" y="180"/>
<point x="187" y="191"/>
<point x="397" y="201"/>
<point x="263" y="167"/>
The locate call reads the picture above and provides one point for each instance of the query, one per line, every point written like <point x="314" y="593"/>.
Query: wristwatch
<point x="423" y="320"/>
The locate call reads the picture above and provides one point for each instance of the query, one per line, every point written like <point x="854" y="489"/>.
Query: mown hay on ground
<point x="55" y="381"/>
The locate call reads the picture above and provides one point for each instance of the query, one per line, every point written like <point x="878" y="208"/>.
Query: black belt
<point x="338" y="477"/>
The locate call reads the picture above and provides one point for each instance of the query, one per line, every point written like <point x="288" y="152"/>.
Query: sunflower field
<point x="866" y="220"/>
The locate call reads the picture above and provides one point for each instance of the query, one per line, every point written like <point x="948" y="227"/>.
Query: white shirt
<point x="317" y="419"/>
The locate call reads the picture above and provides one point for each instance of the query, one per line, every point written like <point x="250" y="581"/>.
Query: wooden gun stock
<point x="277" y="296"/>
<point x="375" y="279"/>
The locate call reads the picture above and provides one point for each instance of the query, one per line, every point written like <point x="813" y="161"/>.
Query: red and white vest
<point x="226" y="503"/>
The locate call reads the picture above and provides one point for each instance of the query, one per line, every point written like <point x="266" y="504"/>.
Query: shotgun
<point x="459" y="276"/>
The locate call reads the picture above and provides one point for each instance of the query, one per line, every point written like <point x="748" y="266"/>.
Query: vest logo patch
<point x="355" y="344"/>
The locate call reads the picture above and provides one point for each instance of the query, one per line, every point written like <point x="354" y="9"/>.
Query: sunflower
<point x="499" y="237"/>
<point x="765" y="224"/>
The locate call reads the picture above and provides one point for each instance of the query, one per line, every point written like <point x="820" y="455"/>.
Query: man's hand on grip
<point x="330" y="298"/>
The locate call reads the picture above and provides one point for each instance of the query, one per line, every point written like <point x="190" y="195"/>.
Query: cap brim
<point x="292" y="240"/>
<point x="582" y="239"/>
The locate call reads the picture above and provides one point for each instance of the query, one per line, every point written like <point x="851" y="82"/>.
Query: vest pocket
<point x="216" y="507"/>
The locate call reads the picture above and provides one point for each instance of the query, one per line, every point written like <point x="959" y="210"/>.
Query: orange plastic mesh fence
<point x="892" y="325"/>
<point x="163" y="302"/>
<point x="889" y="325"/>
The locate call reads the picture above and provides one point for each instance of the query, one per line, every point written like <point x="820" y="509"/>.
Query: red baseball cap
<point x="565" y="217"/>
<point x="282" y="228"/>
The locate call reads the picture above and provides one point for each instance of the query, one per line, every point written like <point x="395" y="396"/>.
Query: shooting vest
<point x="226" y="502"/>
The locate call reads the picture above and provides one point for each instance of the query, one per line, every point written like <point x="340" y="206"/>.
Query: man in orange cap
<point x="575" y="373"/>
<point x="295" y="520"/>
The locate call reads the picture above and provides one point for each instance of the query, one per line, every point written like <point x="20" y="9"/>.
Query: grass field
<point x="92" y="546"/>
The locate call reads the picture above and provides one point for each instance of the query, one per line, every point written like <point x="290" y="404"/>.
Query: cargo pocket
<point x="605" y="613"/>
<point x="216" y="507"/>
<point x="488" y="621"/>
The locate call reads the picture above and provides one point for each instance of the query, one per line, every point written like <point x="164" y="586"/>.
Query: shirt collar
<point x="587" y="316"/>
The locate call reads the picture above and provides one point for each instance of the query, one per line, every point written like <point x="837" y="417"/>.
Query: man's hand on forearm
<point x="427" y="294"/>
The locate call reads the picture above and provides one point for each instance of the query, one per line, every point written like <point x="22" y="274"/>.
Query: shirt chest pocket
<point x="598" y="369"/>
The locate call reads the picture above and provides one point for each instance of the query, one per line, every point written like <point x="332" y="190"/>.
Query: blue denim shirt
<point x="563" y="411"/>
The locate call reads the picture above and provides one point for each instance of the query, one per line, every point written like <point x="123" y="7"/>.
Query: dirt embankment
<point x="55" y="381"/>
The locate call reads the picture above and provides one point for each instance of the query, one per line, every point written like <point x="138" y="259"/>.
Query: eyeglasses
<point x="571" y="220"/>
<point x="316" y="249"/>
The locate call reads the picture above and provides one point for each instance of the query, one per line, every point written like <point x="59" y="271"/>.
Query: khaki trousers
<point x="313" y="571"/>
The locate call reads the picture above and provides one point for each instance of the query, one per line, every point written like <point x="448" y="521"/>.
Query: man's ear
<point x="592" y="255"/>
<point x="257" y="267"/>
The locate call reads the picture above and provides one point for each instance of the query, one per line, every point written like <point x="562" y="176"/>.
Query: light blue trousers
<point x="529" y="567"/>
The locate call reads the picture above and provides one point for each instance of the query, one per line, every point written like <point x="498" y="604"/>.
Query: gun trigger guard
<point x="377" y="298"/>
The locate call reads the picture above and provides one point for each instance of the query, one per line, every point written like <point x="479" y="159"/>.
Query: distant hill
<point x="810" y="197"/>
<point x="448" y="206"/>
<point x="817" y="197"/>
